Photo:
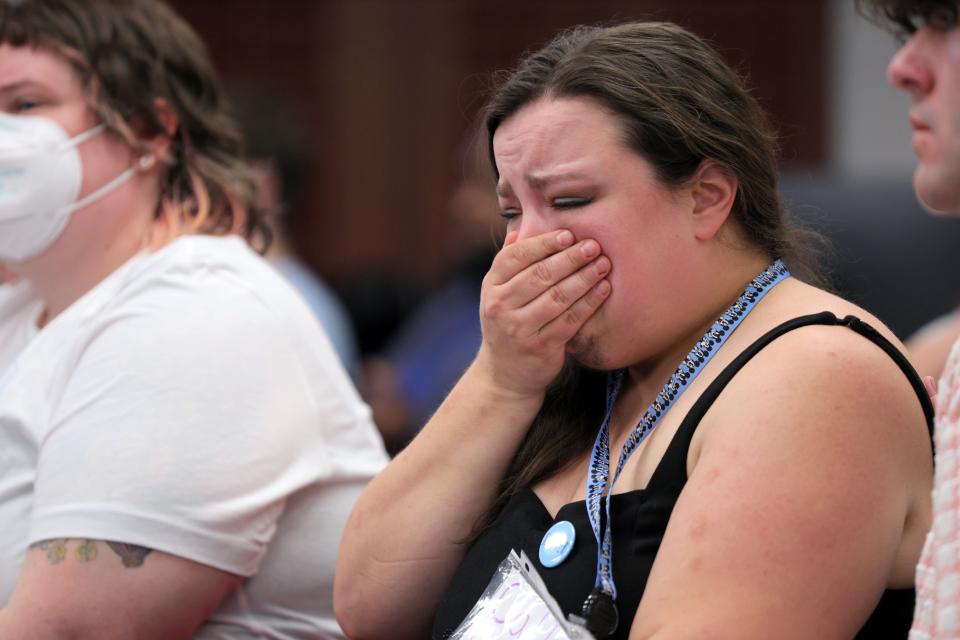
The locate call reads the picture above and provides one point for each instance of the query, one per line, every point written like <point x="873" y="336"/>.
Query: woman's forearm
<point x="407" y="533"/>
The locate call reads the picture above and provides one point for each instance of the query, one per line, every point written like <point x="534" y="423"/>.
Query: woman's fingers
<point x="548" y="274"/>
<point x="529" y="284"/>
<point x="550" y="278"/>
<point x="570" y="301"/>
<point x="516" y="256"/>
<point x="566" y="325"/>
<point x="535" y="298"/>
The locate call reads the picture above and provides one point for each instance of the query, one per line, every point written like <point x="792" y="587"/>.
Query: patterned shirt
<point x="937" y="614"/>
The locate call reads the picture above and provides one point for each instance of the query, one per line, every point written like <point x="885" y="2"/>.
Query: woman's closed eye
<point x="570" y="202"/>
<point x="565" y="202"/>
<point x="509" y="213"/>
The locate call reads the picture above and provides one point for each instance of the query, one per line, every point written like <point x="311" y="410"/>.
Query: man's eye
<point x="941" y="19"/>
<point x="570" y="202"/>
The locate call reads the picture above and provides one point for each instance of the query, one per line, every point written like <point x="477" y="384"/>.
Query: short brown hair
<point x="128" y="54"/>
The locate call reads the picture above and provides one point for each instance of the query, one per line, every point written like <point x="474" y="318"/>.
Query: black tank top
<point x="643" y="513"/>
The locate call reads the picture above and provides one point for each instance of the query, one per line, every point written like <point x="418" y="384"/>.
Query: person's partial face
<point x="39" y="82"/>
<point x="563" y="164"/>
<point x="928" y="68"/>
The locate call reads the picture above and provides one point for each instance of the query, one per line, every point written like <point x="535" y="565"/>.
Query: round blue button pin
<point x="557" y="544"/>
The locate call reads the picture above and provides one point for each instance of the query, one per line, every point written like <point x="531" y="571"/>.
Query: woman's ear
<point x="713" y="191"/>
<point x="159" y="144"/>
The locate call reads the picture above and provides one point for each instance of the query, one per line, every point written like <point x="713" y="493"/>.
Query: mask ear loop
<point x="83" y="136"/>
<point x="144" y="163"/>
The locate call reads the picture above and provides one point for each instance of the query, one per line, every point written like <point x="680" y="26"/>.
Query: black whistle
<point x="600" y="612"/>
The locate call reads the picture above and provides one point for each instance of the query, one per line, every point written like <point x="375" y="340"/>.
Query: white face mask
<point x="40" y="178"/>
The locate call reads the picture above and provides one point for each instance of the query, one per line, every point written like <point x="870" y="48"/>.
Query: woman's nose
<point x="533" y="223"/>
<point x="909" y="69"/>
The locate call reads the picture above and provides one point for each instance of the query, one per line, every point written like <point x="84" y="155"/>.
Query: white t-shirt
<point x="190" y="403"/>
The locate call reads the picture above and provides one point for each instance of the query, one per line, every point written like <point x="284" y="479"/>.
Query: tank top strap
<point x="675" y="458"/>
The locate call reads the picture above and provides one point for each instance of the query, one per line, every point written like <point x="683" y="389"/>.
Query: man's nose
<point x="909" y="69"/>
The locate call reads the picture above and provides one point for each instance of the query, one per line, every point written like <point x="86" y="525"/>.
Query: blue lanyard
<point x="688" y="370"/>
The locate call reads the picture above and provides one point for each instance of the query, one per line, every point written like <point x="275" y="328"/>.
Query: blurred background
<point x="389" y="206"/>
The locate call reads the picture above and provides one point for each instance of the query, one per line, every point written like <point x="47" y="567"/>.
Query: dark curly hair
<point x="904" y="17"/>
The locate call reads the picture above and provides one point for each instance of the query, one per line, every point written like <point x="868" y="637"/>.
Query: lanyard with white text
<point x="600" y="609"/>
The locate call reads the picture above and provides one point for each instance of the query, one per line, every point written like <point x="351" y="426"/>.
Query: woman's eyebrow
<point x="18" y="85"/>
<point x="542" y="179"/>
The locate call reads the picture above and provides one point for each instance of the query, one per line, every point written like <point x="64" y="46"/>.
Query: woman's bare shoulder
<point x="827" y="382"/>
<point x="795" y="298"/>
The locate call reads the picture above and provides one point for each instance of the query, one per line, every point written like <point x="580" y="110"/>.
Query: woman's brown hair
<point x="131" y="54"/>
<point x="678" y="105"/>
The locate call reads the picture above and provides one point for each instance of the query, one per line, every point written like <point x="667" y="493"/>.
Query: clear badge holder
<point x="517" y="606"/>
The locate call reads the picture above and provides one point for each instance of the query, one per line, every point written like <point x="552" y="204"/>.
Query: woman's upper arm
<point x="170" y="436"/>
<point x="188" y="447"/>
<point x="791" y="520"/>
<point x="81" y="589"/>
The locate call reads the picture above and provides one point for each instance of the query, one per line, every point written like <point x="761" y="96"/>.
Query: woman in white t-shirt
<point x="179" y="446"/>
